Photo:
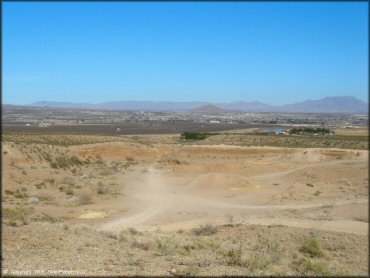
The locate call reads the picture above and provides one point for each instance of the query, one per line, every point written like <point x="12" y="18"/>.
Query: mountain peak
<point x="332" y="104"/>
<point x="208" y="108"/>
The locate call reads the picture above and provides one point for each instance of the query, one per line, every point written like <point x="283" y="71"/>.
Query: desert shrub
<point x="234" y="256"/>
<point x="165" y="246"/>
<point x="312" y="247"/>
<point x="39" y="185"/>
<point x="141" y="245"/>
<point x="123" y="236"/>
<point x="20" y="195"/>
<point x="50" y="180"/>
<point x="69" y="191"/>
<point x="65" y="162"/>
<point x="133" y="231"/>
<point x="266" y="253"/>
<point x="82" y="229"/>
<point x="307" y="267"/>
<point x="46" y="218"/>
<point x="205" y="230"/>
<point x="17" y="215"/>
<point x="260" y="257"/>
<point x="99" y="161"/>
<point x="85" y="197"/>
<point x="101" y="189"/>
<point x="109" y="234"/>
<point x="190" y="270"/>
<point x="67" y="180"/>
<point x="44" y="196"/>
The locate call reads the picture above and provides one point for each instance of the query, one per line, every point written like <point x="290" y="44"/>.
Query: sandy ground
<point x="174" y="187"/>
<point x="160" y="197"/>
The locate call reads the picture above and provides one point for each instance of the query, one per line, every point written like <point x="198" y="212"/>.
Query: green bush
<point x="312" y="248"/>
<point x="190" y="135"/>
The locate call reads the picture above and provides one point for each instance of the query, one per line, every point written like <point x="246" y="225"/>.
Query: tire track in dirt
<point x="154" y="199"/>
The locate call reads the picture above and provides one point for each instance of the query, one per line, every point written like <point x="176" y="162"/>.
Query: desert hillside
<point x="156" y="205"/>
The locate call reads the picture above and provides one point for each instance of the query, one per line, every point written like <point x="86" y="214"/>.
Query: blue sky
<point x="276" y="53"/>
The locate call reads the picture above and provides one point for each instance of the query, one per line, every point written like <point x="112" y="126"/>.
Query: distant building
<point x="273" y="131"/>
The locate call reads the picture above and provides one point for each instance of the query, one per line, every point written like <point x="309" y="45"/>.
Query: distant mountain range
<point x="340" y="104"/>
<point x="209" y="108"/>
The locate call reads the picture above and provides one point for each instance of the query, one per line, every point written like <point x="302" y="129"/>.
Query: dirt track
<point x="77" y="216"/>
<point x="157" y="199"/>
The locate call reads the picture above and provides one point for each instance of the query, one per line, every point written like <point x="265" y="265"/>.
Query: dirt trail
<point x="312" y="165"/>
<point x="156" y="202"/>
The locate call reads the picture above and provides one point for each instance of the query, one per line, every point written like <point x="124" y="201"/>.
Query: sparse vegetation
<point x="17" y="216"/>
<point x="216" y="250"/>
<point x="65" y="162"/>
<point x="85" y="197"/>
<point x="205" y="230"/>
<point x="69" y="191"/>
<point x="313" y="248"/>
<point x="192" y="135"/>
<point x="304" y="266"/>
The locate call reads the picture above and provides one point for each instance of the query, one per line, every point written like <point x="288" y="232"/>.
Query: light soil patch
<point x="92" y="215"/>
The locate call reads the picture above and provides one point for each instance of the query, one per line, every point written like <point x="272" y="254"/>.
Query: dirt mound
<point x="315" y="154"/>
<point x="118" y="150"/>
<point x="222" y="180"/>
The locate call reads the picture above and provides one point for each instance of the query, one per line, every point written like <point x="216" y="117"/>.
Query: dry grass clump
<point x="205" y="230"/>
<point x="165" y="246"/>
<point x="46" y="218"/>
<point x="20" y="195"/>
<point x="304" y="266"/>
<point x="69" y="191"/>
<point x="39" y="185"/>
<point x="101" y="188"/>
<point x="254" y="259"/>
<point x="85" y="197"/>
<point x="64" y="162"/>
<point x="45" y="196"/>
<point x="17" y="216"/>
<point x="110" y="234"/>
<point x="313" y="248"/>
<point x="82" y="229"/>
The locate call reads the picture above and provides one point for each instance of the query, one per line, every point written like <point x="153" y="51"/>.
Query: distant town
<point x="129" y="122"/>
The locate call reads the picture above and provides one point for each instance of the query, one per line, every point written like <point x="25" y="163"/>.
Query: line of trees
<point x="192" y="135"/>
<point x="310" y="130"/>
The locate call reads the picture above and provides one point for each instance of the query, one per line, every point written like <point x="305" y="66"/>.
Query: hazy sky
<point x="271" y="52"/>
